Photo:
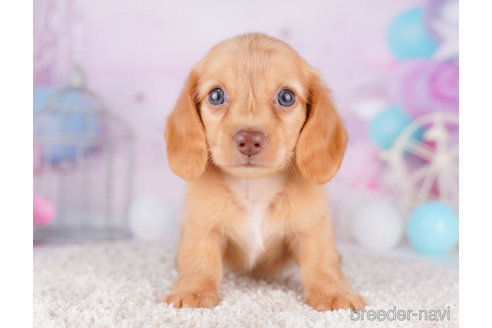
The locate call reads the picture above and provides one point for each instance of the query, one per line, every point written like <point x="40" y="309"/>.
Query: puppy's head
<point x="252" y="107"/>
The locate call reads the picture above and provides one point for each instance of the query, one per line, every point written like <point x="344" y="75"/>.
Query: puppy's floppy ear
<point x="185" y="135"/>
<point x="321" y="145"/>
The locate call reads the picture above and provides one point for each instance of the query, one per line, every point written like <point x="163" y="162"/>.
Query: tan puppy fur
<point x="255" y="214"/>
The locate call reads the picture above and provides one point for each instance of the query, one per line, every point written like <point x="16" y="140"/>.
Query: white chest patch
<point x="255" y="197"/>
<point x="254" y="232"/>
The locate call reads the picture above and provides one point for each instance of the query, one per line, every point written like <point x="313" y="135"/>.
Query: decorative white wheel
<point x="424" y="159"/>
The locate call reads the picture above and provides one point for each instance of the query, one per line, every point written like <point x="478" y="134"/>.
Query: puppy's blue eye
<point x="285" y="98"/>
<point x="216" y="96"/>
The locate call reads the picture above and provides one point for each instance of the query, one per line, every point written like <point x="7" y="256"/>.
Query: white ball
<point x="377" y="225"/>
<point x="154" y="218"/>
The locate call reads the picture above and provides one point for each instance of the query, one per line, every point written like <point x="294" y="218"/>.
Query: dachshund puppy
<point x="256" y="135"/>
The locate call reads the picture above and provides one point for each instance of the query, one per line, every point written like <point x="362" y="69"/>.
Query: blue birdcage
<point x="86" y="165"/>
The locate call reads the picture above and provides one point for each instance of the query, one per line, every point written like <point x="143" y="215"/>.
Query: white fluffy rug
<point x="121" y="284"/>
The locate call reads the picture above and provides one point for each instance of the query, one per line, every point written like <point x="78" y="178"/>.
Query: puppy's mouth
<point x="249" y="168"/>
<point x="251" y="163"/>
<point x="248" y="163"/>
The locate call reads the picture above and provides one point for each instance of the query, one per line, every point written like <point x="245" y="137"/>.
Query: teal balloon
<point x="433" y="228"/>
<point x="408" y="36"/>
<point x="386" y="126"/>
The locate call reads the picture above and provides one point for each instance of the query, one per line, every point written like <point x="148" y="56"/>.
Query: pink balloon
<point x="422" y="87"/>
<point x="43" y="211"/>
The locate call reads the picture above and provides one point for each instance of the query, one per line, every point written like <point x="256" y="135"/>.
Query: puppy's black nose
<point x="249" y="142"/>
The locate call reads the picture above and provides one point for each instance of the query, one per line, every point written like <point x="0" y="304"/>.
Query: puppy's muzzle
<point x="249" y="142"/>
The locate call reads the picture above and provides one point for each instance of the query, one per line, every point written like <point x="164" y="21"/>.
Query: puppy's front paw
<point x="335" y="301"/>
<point x="193" y="299"/>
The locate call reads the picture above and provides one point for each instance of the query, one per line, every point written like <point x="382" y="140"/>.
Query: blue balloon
<point x="433" y="228"/>
<point x="63" y="125"/>
<point x="408" y="36"/>
<point x="386" y="126"/>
